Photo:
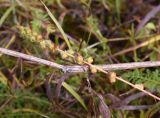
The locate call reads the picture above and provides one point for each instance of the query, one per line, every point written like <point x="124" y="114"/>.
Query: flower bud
<point x="139" y="86"/>
<point x="90" y="60"/>
<point x="64" y="55"/>
<point x="79" y="59"/>
<point x="112" y="77"/>
<point x="93" y="69"/>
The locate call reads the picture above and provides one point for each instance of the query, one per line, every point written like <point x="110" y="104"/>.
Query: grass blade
<point x="5" y="15"/>
<point x="3" y="79"/>
<point x="70" y="89"/>
<point x="31" y="111"/>
<point x="58" y="25"/>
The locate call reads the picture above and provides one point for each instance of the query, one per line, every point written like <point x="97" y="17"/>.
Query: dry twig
<point x="81" y="68"/>
<point x="145" y="43"/>
<point x="65" y="69"/>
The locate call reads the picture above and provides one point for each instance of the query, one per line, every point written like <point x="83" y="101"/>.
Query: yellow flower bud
<point x="53" y="48"/>
<point x="93" y="69"/>
<point x="64" y="55"/>
<point x="70" y="52"/>
<point x="28" y="30"/>
<point x="139" y="86"/>
<point x="112" y="77"/>
<point x="43" y="44"/>
<point x="90" y="60"/>
<point x="79" y="59"/>
<point x="32" y="38"/>
<point x="35" y="34"/>
<point x="39" y="37"/>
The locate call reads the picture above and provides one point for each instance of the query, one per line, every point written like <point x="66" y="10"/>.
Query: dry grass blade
<point x="31" y="111"/>
<point x="149" y="41"/>
<point x="104" y="109"/>
<point x="59" y="85"/>
<point x="150" y="15"/>
<point x="132" y="107"/>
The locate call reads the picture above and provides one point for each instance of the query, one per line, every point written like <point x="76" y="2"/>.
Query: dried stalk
<point x="143" y="44"/>
<point x="30" y="58"/>
<point x="65" y="69"/>
<point x="80" y="68"/>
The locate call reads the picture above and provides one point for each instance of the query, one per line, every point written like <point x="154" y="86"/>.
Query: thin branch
<point x="132" y="107"/>
<point x="79" y="68"/>
<point x="64" y="68"/>
<point x="30" y="58"/>
<point x="143" y="44"/>
<point x="109" y="67"/>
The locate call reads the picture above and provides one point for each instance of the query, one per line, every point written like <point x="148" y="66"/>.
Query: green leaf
<point x="72" y="91"/>
<point x="3" y="79"/>
<point x="118" y="9"/>
<point x="58" y="25"/>
<point x="150" y="26"/>
<point x="5" y="15"/>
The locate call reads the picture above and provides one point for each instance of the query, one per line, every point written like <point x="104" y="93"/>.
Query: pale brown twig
<point x="145" y="43"/>
<point x="52" y="64"/>
<point x="81" y="68"/>
<point x="30" y="58"/>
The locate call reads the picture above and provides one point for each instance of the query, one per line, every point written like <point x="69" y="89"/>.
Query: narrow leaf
<point x="5" y="15"/>
<point x="3" y="79"/>
<point x="58" y="25"/>
<point x="71" y="90"/>
<point x="31" y="111"/>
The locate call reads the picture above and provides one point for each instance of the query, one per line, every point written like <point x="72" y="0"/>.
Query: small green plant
<point x="92" y="31"/>
<point x="149" y="78"/>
